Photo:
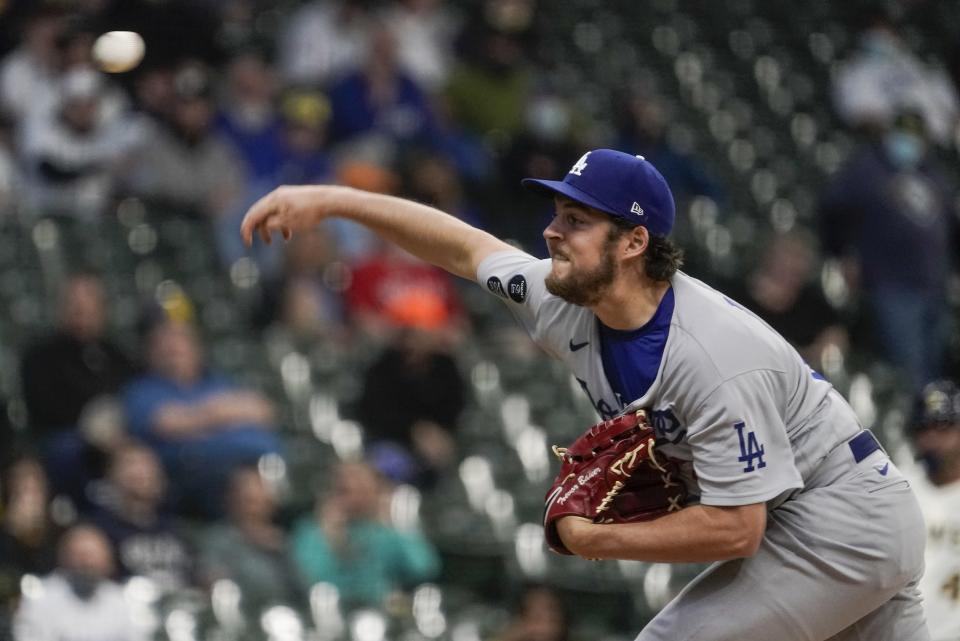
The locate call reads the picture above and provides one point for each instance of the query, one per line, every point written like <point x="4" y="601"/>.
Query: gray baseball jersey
<point x="753" y="423"/>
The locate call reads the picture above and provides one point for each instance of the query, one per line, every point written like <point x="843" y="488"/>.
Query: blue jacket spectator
<point x="260" y="147"/>
<point x="380" y="99"/>
<point x="248" y="118"/>
<point x="890" y="212"/>
<point x="200" y="424"/>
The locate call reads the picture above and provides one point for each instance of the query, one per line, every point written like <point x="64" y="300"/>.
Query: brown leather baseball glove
<point x="612" y="474"/>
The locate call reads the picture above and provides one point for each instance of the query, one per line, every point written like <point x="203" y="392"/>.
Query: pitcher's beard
<point x="584" y="288"/>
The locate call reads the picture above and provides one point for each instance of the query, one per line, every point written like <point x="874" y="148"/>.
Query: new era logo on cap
<point x="624" y="186"/>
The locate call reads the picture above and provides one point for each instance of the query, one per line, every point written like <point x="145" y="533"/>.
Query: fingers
<point x="265" y="229"/>
<point x="257" y="218"/>
<point x="246" y="232"/>
<point x="250" y="221"/>
<point x="267" y="215"/>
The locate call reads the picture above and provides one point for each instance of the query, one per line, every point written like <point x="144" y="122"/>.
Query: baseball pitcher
<point x="815" y="533"/>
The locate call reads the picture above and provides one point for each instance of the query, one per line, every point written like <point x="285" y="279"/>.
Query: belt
<point x="863" y="445"/>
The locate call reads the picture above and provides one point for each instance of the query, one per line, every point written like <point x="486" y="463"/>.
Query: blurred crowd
<point x="153" y="464"/>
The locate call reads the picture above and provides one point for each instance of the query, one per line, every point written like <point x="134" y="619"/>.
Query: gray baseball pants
<point x="840" y="561"/>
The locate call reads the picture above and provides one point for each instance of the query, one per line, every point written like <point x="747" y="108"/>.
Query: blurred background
<point x="332" y="440"/>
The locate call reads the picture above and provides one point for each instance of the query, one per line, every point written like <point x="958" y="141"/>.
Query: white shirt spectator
<point x="25" y="84"/>
<point x="322" y="40"/>
<point x="71" y="170"/>
<point x="424" y="31"/>
<point x="52" y="611"/>
<point x="884" y="77"/>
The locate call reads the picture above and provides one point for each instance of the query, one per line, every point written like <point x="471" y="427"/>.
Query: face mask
<point x="82" y="584"/>
<point x="904" y="150"/>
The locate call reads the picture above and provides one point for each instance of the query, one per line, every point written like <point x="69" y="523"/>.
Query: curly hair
<point x="662" y="258"/>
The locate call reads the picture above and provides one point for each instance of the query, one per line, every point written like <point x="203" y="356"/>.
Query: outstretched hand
<point x="286" y="209"/>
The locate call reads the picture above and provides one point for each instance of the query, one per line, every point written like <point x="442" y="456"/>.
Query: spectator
<point x="550" y="137"/>
<point x="434" y="180"/>
<point x="74" y="150"/>
<point x="644" y="131"/>
<point x="424" y="31"/>
<point x="782" y="290"/>
<point x="350" y="542"/>
<point x="200" y="424"/>
<point x="153" y="92"/>
<point x="239" y="26"/>
<point x="391" y="289"/>
<point x="305" y="298"/>
<point x="186" y="164"/>
<point x="248" y="117"/>
<point x="380" y="100"/>
<point x="935" y="432"/>
<point x="79" y="600"/>
<point x="28" y="75"/>
<point x="304" y="119"/>
<point x="413" y="395"/>
<point x="249" y="549"/>
<point x="76" y="42"/>
<point x="488" y="90"/>
<point x="63" y="374"/>
<point x="28" y="532"/>
<point x="321" y="40"/>
<point x="870" y="87"/>
<point x="889" y="212"/>
<point x="304" y="317"/>
<point x="540" y="617"/>
<point x="132" y="515"/>
<point x="473" y="159"/>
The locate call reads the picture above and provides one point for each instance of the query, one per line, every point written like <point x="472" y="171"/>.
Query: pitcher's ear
<point x="638" y="240"/>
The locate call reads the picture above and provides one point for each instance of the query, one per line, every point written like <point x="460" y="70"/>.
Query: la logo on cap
<point x="580" y="165"/>
<point x="636" y="209"/>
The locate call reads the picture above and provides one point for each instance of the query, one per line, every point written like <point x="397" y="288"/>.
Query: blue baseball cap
<point x="624" y="186"/>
